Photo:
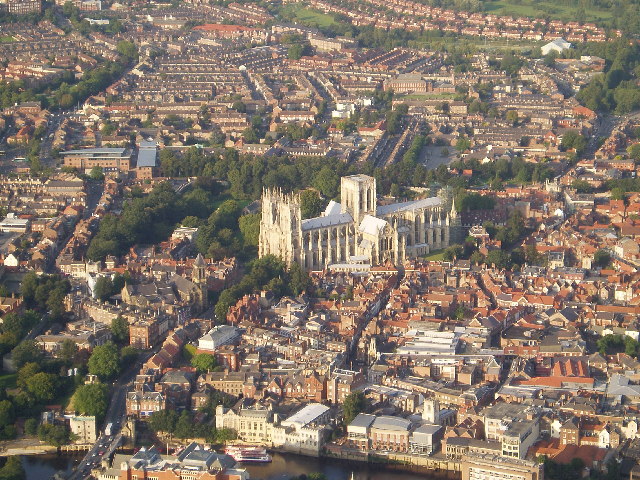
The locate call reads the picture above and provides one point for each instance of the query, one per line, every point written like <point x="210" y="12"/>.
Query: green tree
<point x="30" y="427"/>
<point x="299" y="280"/>
<point x="13" y="469"/>
<point x="618" y="193"/>
<point x="42" y="386"/>
<point x="327" y="181"/>
<point x="250" y="135"/>
<point x="217" y="137"/>
<point x="582" y="186"/>
<point x="68" y="350"/>
<point x="463" y="144"/>
<point x="28" y="287"/>
<point x="601" y="258"/>
<point x="128" y="355"/>
<point x="512" y="117"/>
<point x="630" y="346"/>
<point x="353" y="404"/>
<point x="27" y="371"/>
<point x="105" y="361"/>
<point x="225" y="435"/>
<point x="184" y="426"/>
<point x="96" y="173"/>
<point x="610" y="344"/>
<point x="239" y="106"/>
<point x="250" y="229"/>
<point x="511" y="64"/>
<point x="311" y="205"/>
<point x="103" y="288"/>
<point x="634" y="151"/>
<point x="163" y="421"/>
<point x="91" y="399"/>
<point x="296" y="51"/>
<point x="56" y="435"/>
<point x="204" y="362"/>
<point x="499" y="258"/>
<point x="573" y="140"/>
<point x="128" y="50"/>
<point x="27" y="351"/>
<point x="452" y="252"/>
<point x="120" y="329"/>
<point x="7" y="415"/>
<point x="459" y="312"/>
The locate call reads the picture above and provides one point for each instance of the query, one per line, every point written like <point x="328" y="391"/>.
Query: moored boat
<point x="248" y="454"/>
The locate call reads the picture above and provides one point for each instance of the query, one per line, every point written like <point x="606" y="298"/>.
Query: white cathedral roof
<point x="333" y="208"/>
<point x="407" y="206"/>
<point x="326" y="221"/>
<point x="372" y="225"/>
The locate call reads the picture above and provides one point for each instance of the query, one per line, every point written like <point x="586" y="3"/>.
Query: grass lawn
<point x="534" y="8"/>
<point x="64" y="399"/>
<point x="8" y="381"/>
<point x="308" y="16"/>
<point x="7" y="39"/>
<point x="435" y="256"/>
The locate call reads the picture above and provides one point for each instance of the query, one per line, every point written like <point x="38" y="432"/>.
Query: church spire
<point x="453" y="213"/>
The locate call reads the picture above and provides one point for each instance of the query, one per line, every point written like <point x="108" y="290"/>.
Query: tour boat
<point x="248" y="454"/>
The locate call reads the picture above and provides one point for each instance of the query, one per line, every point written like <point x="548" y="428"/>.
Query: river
<point x="284" y="466"/>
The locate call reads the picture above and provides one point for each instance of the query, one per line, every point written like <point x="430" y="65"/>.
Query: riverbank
<point x="25" y="446"/>
<point x="283" y="467"/>
<point x="436" y="466"/>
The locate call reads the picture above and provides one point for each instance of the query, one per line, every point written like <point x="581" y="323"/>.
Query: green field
<point x="533" y="8"/>
<point x="7" y="39"/>
<point x="8" y="381"/>
<point x="435" y="256"/>
<point x="306" y="16"/>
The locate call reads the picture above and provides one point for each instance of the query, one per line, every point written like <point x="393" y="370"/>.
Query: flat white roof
<point x="328" y="221"/>
<point x="307" y="414"/>
<point x="408" y="206"/>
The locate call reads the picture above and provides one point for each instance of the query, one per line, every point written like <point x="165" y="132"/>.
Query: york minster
<point x="355" y="231"/>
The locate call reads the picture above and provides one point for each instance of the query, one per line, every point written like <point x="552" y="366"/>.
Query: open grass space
<point x="435" y="256"/>
<point x="8" y="380"/>
<point x="307" y="16"/>
<point x="534" y="8"/>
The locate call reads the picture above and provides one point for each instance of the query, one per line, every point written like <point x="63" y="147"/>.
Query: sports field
<point x="533" y="8"/>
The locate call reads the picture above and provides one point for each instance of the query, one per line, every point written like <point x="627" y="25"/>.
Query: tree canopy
<point x="91" y="399"/>
<point x="105" y="361"/>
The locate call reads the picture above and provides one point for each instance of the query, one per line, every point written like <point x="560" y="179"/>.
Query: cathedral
<point x="356" y="230"/>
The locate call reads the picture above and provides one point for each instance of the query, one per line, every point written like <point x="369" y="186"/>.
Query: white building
<point x="84" y="428"/>
<point x="429" y="342"/>
<point x="218" y="336"/>
<point x="14" y="224"/>
<point x="303" y="432"/>
<point x="557" y="45"/>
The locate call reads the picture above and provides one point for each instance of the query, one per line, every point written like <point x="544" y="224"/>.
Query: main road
<point x="116" y="415"/>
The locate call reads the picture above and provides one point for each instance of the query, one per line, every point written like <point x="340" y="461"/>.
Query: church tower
<point x="431" y="411"/>
<point x="455" y="224"/>
<point x="281" y="226"/>
<point x="199" y="277"/>
<point x="358" y="196"/>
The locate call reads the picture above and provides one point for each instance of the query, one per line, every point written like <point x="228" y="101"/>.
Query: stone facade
<point x="356" y="230"/>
